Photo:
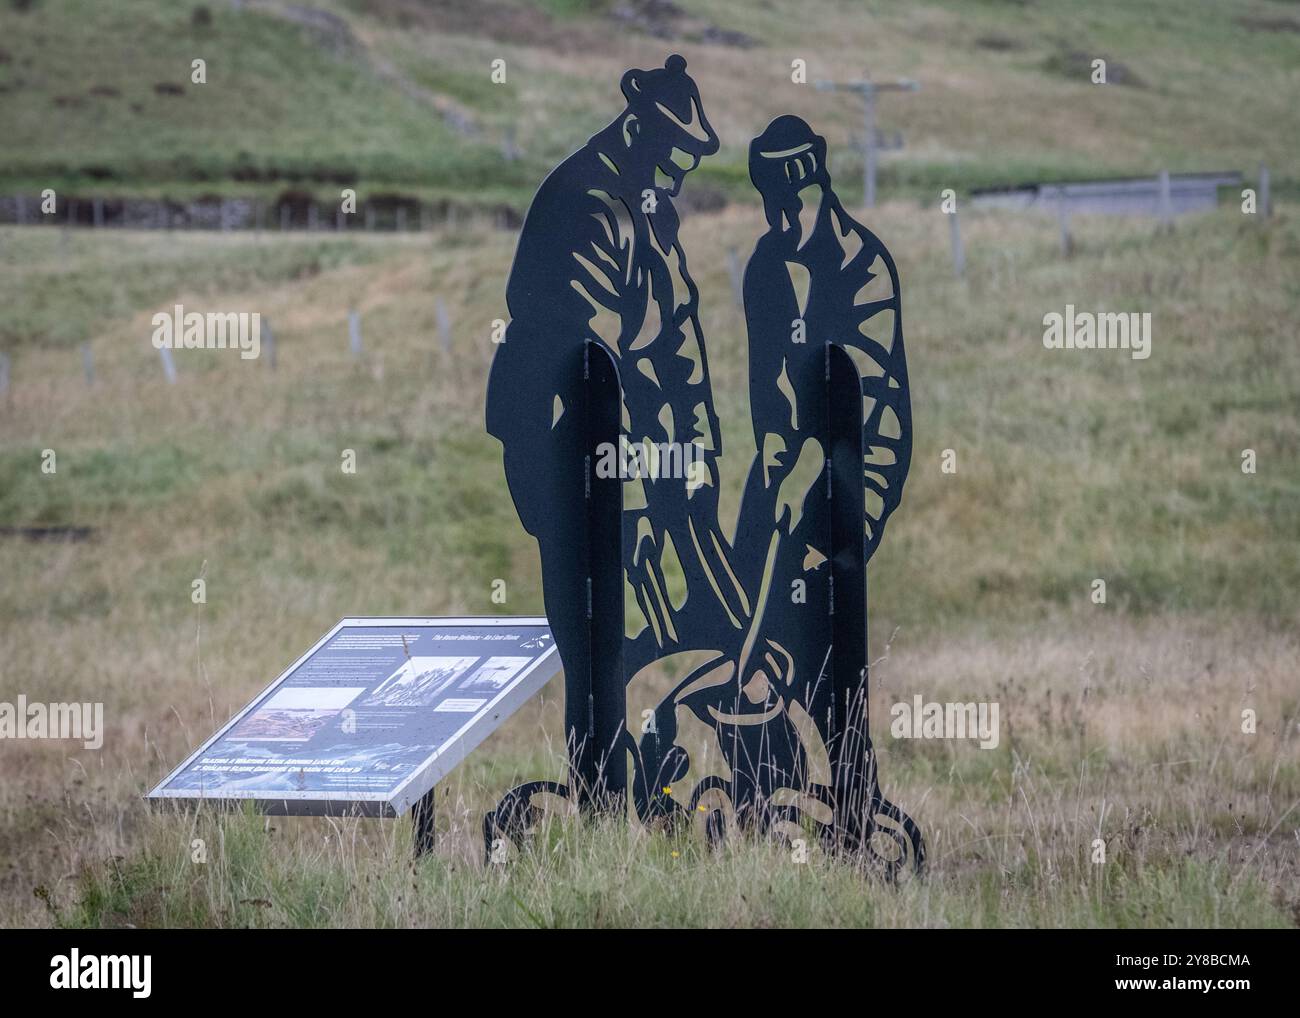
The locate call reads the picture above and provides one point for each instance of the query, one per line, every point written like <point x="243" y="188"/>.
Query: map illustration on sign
<point x="369" y="719"/>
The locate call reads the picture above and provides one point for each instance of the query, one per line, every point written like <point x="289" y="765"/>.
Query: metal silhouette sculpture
<point x="604" y="352"/>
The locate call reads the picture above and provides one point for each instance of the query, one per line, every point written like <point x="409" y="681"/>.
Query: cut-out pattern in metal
<point x="604" y="355"/>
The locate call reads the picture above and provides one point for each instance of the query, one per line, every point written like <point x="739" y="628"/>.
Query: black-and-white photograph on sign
<point x="372" y="717"/>
<point x="419" y="681"/>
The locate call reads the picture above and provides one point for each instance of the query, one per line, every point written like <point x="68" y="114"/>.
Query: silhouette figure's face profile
<point x="664" y="126"/>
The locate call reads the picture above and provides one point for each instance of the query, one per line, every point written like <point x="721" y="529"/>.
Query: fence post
<point x="88" y="363"/>
<point x="268" y="341"/>
<point x="1265" y="198"/>
<point x="4" y="374"/>
<point x="958" y="252"/>
<point x="169" y="365"/>
<point x="423" y="830"/>
<point x="444" y="324"/>
<point x="354" y="333"/>
<point x="1063" y="220"/>
<point x="1166" y="202"/>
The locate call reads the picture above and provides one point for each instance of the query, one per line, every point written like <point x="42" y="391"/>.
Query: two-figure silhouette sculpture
<point x="604" y="362"/>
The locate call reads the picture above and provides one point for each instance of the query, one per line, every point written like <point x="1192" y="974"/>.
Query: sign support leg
<point x="422" y="824"/>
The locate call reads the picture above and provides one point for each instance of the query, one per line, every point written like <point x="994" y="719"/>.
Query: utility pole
<point x="868" y="90"/>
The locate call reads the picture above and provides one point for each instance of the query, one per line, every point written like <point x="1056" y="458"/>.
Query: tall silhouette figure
<point x="599" y="265"/>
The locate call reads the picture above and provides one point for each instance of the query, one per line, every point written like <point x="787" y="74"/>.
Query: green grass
<point x="1071" y="465"/>
<point x="605" y="877"/>
<point x="359" y="95"/>
<point x="66" y="286"/>
<point x="280" y="108"/>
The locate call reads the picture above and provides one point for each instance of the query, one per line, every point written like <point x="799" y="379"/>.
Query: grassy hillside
<point x="392" y="95"/>
<point x="1120" y="722"/>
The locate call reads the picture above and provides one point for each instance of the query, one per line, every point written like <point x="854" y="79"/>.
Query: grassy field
<point x="1120" y="722"/>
